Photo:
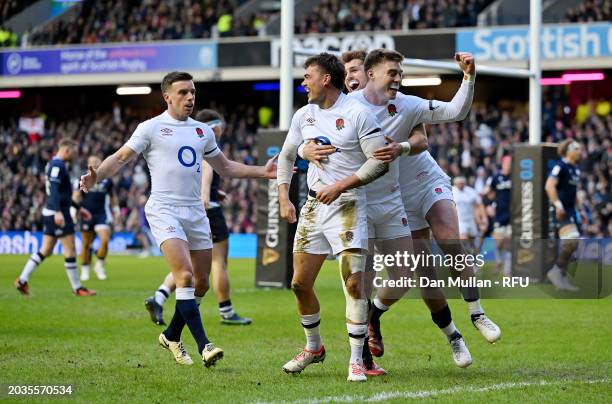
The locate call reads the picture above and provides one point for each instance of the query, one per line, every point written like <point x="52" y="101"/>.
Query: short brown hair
<point x="381" y="55"/>
<point x="207" y="115"/>
<point x="67" y="142"/>
<point x="173" y="77"/>
<point x="353" y="54"/>
<point x="329" y="64"/>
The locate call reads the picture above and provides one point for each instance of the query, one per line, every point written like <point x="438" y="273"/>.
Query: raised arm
<point x="434" y="111"/>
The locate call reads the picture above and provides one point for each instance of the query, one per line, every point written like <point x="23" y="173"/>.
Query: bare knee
<point x="183" y="277"/>
<point x="299" y="288"/>
<point x="201" y="286"/>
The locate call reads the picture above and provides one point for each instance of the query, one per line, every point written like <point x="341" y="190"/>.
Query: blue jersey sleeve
<point x="54" y="178"/>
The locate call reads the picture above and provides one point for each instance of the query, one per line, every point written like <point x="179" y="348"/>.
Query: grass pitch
<point x="106" y="346"/>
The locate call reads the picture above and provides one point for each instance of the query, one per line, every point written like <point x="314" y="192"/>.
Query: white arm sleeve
<point x="434" y="111"/>
<point x="372" y="168"/>
<point x="286" y="159"/>
<point x="210" y="147"/>
<point x="141" y="138"/>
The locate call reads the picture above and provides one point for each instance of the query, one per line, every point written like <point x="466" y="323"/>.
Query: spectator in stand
<point x="590" y="11"/>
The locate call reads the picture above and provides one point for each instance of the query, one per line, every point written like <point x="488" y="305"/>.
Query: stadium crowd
<point x="366" y="15"/>
<point x="590" y="11"/>
<point x="130" y="21"/>
<point x="24" y="156"/>
<point x="472" y="148"/>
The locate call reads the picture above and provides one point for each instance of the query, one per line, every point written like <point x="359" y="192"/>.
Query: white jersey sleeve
<point x="286" y="158"/>
<point x="367" y="125"/>
<point x="434" y="111"/>
<point x="141" y="138"/>
<point x="210" y="147"/>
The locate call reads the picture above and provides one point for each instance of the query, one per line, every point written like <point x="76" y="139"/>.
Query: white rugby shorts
<point x="387" y="221"/>
<point x="418" y="201"/>
<point x="188" y="223"/>
<point x="468" y="228"/>
<point x="325" y="229"/>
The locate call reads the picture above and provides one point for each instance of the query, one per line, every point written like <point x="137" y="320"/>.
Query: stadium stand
<point x="24" y="155"/>
<point x="131" y="21"/>
<point x="471" y="148"/>
<point x="590" y="11"/>
<point x="365" y="15"/>
<point x="9" y="8"/>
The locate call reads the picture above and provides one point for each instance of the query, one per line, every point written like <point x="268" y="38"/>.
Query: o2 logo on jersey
<point x="187" y="157"/>
<point x="324" y="141"/>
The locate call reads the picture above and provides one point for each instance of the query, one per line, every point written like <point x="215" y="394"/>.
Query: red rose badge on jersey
<point x="339" y="123"/>
<point x="392" y="109"/>
<point x="438" y="190"/>
<point x="199" y="132"/>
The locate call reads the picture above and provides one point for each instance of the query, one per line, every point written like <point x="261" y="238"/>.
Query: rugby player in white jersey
<point x="470" y="212"/>
<point x="384" y="72"/>
<point x="387" y="220"/>
<point x="334" y="218"/>
<point x="426" y="189"/>
<point x="174" y="145"/>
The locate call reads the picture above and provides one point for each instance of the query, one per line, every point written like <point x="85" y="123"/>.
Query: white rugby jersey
<point x="343" y="125"/>
<point x="466" y="201"/>
<point x="174" y="150"/>
<point x="398" y="117"/>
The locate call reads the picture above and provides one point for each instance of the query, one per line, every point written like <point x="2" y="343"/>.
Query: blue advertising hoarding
<point x="566" y="41"/>
<point x="110" y="59"/>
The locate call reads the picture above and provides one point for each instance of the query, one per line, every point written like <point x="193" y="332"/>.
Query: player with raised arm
<point x="561" y="188"/>
<point x="428" y="200"/>
<point x="173" y="144"/>
<point x="98" y="202"/>
<point x="57" y="222"/>
<point x="498" y="189"/>
<point x="334" y="218"/>
<point x="383" y="68"/>
<point x="211" y="197"/>
<point x="470" y="212"/>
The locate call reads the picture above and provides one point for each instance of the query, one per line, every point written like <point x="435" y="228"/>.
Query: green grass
<point x="551" y="350"/>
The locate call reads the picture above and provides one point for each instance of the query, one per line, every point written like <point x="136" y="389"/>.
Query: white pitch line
<point x="432" y="393"/>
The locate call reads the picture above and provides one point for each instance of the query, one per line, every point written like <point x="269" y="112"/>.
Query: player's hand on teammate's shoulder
<point x="389" y="152"/>
<point x="466" y="62"/>
<point x="88" y="180"/>
<point x="85" y="214"/>
<point x="328" y="194"/>
<point x="287" y="210"/>
<point x="314" y="153"/>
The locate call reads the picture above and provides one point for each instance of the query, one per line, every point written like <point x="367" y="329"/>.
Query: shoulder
<point x="407" y="100"/>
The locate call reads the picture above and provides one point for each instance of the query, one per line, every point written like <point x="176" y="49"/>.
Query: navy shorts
<point x="571" y="217"/>
<point x="218" y="227"/>
<point x="96" y="219"/>
<point x="51" y="229"/>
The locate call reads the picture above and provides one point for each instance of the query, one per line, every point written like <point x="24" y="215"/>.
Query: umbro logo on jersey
<point x="310" y="121"/>
<point x="170" y="229"/>
<point x="166" y="132"/>
<point x="392" y="109"/>
<point x="199" y="132"/>
<point x="339" y="124"/>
